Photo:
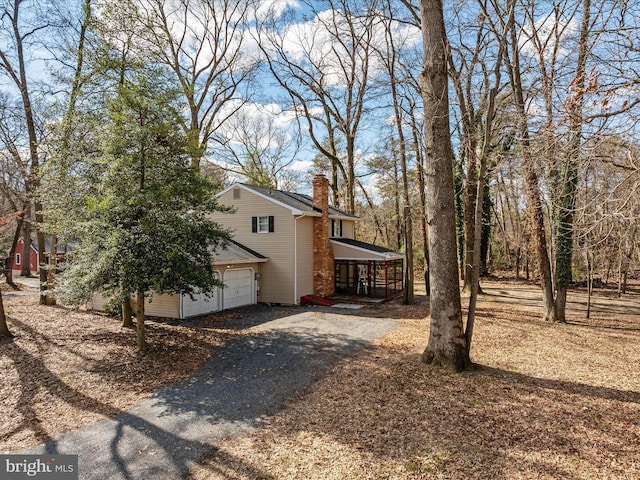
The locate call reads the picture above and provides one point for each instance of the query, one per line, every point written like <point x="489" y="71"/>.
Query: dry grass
<point x="547" y="401"/>
<point x="65" y="369"/>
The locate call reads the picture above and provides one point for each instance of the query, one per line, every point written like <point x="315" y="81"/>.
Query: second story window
<point x="264" y="224"/>
<point x="336" y="228"/>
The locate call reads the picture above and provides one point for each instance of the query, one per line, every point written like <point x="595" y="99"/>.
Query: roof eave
<point x="377" y="255"/>
<point x="240" y="262"/>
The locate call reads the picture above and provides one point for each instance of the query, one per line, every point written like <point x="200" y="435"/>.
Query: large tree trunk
<point x="126" y="314"/>
<point x="25" y="270"/>
<point x="140" y="342"/>
<point x="564" y="252"/>
<point x="4" y="328"/>
<point x="447" y="343"/>
<point x="532" y="185"/>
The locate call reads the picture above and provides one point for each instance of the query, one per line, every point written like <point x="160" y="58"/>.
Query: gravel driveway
<point x="243" y="382"/>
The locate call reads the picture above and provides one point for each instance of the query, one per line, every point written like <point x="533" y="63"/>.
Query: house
<point x="236" y="266"/>
<point x="285" y="246"/>
<point x="34" y="256"/>
<point x="310" y="245"/>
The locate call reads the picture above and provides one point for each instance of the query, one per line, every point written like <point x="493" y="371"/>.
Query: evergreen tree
<point x="144" y="228"/>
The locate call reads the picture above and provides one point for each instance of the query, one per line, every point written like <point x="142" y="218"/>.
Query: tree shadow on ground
<point x="162" y="454"/>
<point x="489" y="423"/>
<point x="243" y="382"/>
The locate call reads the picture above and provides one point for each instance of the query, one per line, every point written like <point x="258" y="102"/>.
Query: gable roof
<point x="298" y="203"/>
<point x="235" y="253"/>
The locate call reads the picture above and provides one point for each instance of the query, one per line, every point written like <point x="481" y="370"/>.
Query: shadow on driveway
<point x="242" y="383"/>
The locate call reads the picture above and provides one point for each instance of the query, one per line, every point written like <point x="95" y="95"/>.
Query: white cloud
<point x="274" y="8"/>
<point x="548" y="35"/>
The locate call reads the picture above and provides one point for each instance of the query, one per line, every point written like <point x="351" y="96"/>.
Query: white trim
<point x="379" y="259"/>
<point x="18" y="258"/>
<point x="240" y="262"/>
<point x="384" y="256"/>
<point x="344" y="217"/>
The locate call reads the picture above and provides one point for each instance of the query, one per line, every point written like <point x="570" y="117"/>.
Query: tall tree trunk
<point x="422" y="200"/>
<point x="140" y="342"/>
<point x="447" y="344"/>
<point x="532" y="185"/>
<point x="408" y="227"/>
<point x="51" y="273"/>
<point x="624" y="262"/>
<point x="25" y="270"/>
<point x="42" y="257"/>
<point x="4" y="328"/>
<point x="12" y="250"/>
<point x="483" y="159"/>
<point x="408" y="268"/>
<point x="564" y="251"/>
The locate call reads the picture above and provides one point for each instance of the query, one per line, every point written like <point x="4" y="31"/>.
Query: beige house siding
<point x="304" y="252"/>
<point x="166" y="306"/>
<point x="97" y="302"/>
<point x="277" y="246"/>
<point x="348" y="229"/>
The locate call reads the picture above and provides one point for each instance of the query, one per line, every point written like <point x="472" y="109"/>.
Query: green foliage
<point x="142" y="224"/>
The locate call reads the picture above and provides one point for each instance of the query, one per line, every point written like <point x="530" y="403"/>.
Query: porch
<point x="364" y="270"/>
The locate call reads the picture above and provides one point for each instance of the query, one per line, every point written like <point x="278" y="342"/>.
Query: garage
<point x="201" y="304"/>
<point x="237" y="267"/>
<point x="239" y="288"/>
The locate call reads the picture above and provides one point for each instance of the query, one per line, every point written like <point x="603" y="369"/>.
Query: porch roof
<point x="350" y="249"/>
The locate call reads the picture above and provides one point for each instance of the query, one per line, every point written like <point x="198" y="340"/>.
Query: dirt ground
<point x="546" y="401"/>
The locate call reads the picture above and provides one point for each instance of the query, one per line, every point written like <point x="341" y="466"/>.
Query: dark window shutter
<point x="271" y="224"/>
<point x="254" y="224"/>
<point x="340" y="229"/>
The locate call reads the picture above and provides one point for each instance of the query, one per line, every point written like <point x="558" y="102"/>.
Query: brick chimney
<point x="323" y="261"/>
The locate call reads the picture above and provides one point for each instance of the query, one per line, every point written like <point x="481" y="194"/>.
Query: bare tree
<point x="21" y="26"/>
<point x="204" y="44"/>
<point x="326" y="76"/>
<point x="447" y="343"/>
<point x="260" y="146"/>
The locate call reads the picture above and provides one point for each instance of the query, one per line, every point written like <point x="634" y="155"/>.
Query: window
<point x="264" y="224"/>
<point x="236" y="193"/>
<point x="336" y="228"/>
<point x="18" y="259"/>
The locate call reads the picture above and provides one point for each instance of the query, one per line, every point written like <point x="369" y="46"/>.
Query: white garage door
<point x="201" y="304"/>
<point x="239" y="288"/>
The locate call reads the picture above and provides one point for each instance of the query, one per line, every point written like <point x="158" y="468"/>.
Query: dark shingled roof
<point x="236" y="252"/>
<point x="299" y="201"/>
<point x="365" y="246"/>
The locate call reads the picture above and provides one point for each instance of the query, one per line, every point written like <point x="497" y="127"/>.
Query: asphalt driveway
<point x="243" y="382"/>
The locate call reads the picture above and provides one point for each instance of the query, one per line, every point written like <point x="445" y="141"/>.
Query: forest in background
<point x="544" y="114"/>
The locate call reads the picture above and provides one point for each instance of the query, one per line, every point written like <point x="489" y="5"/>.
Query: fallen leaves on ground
<point x="546" y="401"/>
<point x="65" y="368"/>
